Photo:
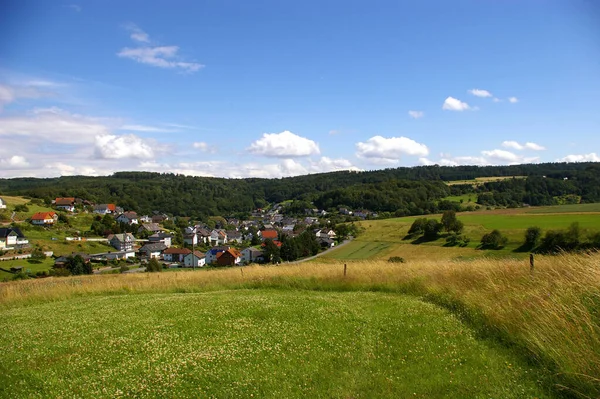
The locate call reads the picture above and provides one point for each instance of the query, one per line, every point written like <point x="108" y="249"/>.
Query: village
<point x="266" y="236"/>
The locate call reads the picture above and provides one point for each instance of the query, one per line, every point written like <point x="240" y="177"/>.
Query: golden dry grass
<point x="552" y="315"/>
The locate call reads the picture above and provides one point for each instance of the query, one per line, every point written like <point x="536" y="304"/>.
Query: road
<point x="324" y="252"/>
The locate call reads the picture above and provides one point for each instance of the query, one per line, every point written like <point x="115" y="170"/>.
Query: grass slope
<point x="384" y="238"/>
<point x="261" y="343"/>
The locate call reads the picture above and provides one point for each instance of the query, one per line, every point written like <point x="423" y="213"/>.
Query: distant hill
<point x="404" y="191"/>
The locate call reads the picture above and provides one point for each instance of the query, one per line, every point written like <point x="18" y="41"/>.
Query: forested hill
<point x="407" y="190"/>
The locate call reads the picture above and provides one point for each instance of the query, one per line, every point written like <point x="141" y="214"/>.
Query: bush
<point x="153" y="266"/>
<point x="532" y="237"/>
<point x="21" y="208"/>
<point x="396" y="259"/>
<point x="418" y="227"/>
<point x="432" y="229"/>
<point x="457" y="239"/>
<point x="493" y="240"/>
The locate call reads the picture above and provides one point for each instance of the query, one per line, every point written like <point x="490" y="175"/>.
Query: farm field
<point x="383" y="330"/>
<point x="252" y="343"/>
<point x="480" y="180"/>
<point x="390" y="234"/>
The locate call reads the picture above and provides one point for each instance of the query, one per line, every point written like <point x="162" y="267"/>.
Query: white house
<point x="11" y="237"/>
<point x="164" y="238"/>
<point x="105" y="209"/>
<point x="212" y="254"/>
<point x="196" y="259"/>
<point x="251" y="255"/>
<point x="128" y="217"/>
<point x="122" y="242"/>
<point x="152" y="250"/>
<point x="67" y="204"/>
<point x="218" y="237"/>
<point x="175" y="254"/>
<point x="2" y="204"/>
<point x="44" y="218"/>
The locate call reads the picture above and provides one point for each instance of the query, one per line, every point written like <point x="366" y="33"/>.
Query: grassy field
<point x="308" y="330"/>
<point x="480" y="180"/>
<point x="253" y="343"/>
<point x="384" y="238"/>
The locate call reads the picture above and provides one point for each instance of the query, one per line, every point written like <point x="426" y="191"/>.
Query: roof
<point x="198" y="254"/>
<point x="151" y="227"/>
<point x="269" y="234"/>
<point x="121" y="237"/>
<point x="160" y="235"/>
<point x="64" y="201"/>
<point x="254" y="251"/>
<point x="177" y="251"/>
<point x="5" y="231"/>
<point x="43" y="215"/>
<point x="278" y="243"/>
<point x="154" y="247"/>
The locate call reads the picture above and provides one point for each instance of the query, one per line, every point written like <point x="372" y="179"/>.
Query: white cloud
<point x="155" y="55"/>
<point x="53" y="125"/>
<point x="534" y="146"/>
<point x="527" y="146"/>
<point x="497" y="100"/>
<point x="333" y="132"/>
<point x="591" y="157"/>
<point x="109" y="146"/>
<point x="389" y="150"/>
<point x="14" y="162"/>
<point x="426" y="161"/>
<point x="74" y="7"/>
<point x="502" y="156"/>
<point x="416" y="114"/>
<point x="138" y="34"/>
<point x="513" y="100"/>
<point x="9" y="94"/>
<point x="326" y="164"/>
<point x="204" y="147"/>
<point x="145" y="128"/>
<point x="480" y="93"/>
<point x="454" y="104"/>
<point x="284" y="145"/>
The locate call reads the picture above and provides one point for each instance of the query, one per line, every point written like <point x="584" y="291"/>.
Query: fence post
<point x="345" y="270"/>
<point x="531" y="263"/>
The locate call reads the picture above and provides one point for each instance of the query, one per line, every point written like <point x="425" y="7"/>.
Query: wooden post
<point x="531" y="263"/>
<point x="242" y="270"/>
<point x="345" y="270"/>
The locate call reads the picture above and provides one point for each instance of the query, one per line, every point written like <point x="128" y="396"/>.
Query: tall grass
<point x="551" y="316"/>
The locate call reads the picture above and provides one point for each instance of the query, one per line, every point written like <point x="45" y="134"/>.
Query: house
<point x="229" y="257"/>
<point x="121" y="242"/>
<point x="145" y="219"/>
<point x="325" y="233"/>
<point x="195" y="259"/>
<point x="129" y="217"/>
<point x="153" y="250"/>
<point x="278" y="243"/>
<point x="310" y="220"/>
<point x="288" y="227"/>
<point x="271" y="233"/>
<point x="149" y="228"/>
<point x="211" y="255"/>
<point x="12" y="237"/>
<point x="164" y="238"/>
<point x="175" y="254"/>
<point x="2" y="204"/>
<point x="218" y="237"/>
<point x="118" y="255"/>
<point x="234" y="236"/>
<point x="44" y="218"/>
<point x="61" y="261"/>
<point x="105" y="209"/>
<point x="66" y="203"/>
<point x="159" y="218"/>
<point x="252" y="255"/>
<point x="326" y="242"/>
<point x="190" y="238"/>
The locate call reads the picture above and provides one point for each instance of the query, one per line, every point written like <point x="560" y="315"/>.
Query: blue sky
<point x="280" y="88"/>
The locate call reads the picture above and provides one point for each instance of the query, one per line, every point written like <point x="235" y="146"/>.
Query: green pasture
<point x="388" y="236"/>
<point x="257" y="343"/>
<point x="31" y="265"/>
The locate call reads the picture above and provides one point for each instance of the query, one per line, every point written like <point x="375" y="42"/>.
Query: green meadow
<point x="252" y="343"/>
<point x="384" y="238"/>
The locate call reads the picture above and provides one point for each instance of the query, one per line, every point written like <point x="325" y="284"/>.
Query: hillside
<point x="403" y="191"/>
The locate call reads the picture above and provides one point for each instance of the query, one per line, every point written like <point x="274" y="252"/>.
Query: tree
<point x="532" y="237"/>
<point x="432" y="229"/>
<point x="493" y="240"/>
<point x="418" y="227"/>
<point x="76" y="265"/>
<point x="451" y="223"/>
<point x="271" y="252"/>
<point x="153" y="266"/>
<point x="289" y="250"/>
